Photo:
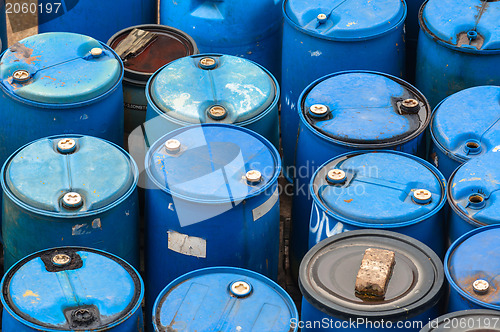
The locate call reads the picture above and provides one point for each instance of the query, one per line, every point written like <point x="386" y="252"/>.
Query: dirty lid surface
<point x="477" y="320"/>
<point x="364" y="109"/>
<point x="186" y="92"/>
<point x="478" y="130"/>
<point x="386" y="182"/>
<point x="476" y="256"/>
<point x="92" y="291"/>
<point x="59" y="68"/>
<point x="39" y="175"/>
<point x="346" y="19"/>
<point x="327" y="276"/>
<point x="451" y="20"/>
<point x="474" y="189"/>
<point x="212" y="162"/>
<point x="223" y="299"/>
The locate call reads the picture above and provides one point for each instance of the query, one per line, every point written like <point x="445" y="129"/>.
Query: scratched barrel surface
<point x="70" y="190"/>
<point x="141" y="59"/>
<point x="72" y="289"/>
<point x="235" y="27"/>
<point x="328" y="274"/>
<point x="224" y="299"/>
<point x="213" y="88"/>
<point x="472" y="267"/>
<point x="405" y="194"/>
<point x="326" y="36"/>
<point x="95" y="18"/>
<point x="59" y="83"/>
<point x="350" y="111"/>
<point x="473" y="194"/>
<point x="212" y="200"/>
<point x="458" y="46"/>
<point x="477" y="320"/>
<point x="465" y="125"/>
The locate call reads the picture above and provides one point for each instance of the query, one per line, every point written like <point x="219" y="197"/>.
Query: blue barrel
<point x="234" y="27"/>
<point x="472" y="267"/>
<point x="224" y="299"/>
<point x="72" y="289"/>
<point x="405" y="194"/>
<point x="212" y="200"/>
<point x="463" y="126"/>
<point x="324" y="36"/>
<point x="329" y="271"/>
<point x="3" y="27"/>
<point x="141" y="61"/>
<point x="458" y="46"/>
<point x="472" y="194"/>
<point x="213" y="88"/>
<point x="95" y="18"/>
<point x="466" y="321"/>
<point x="70" y="190"/>
<point x="58" y="83"/>
<point x="345" y="112"/>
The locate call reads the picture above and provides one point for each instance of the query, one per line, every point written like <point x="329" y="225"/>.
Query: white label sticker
<point x="187" y="245"/>
<point x="260" y="211"/>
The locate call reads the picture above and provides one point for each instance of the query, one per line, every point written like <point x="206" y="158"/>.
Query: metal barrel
<point x="472" y="266"/>
<point x="338" y="275"/>
<point x="72" y="289"/>
<point x="404" y="193"/>
<point x="463" y="126"/>
<point x="213" y="88"/>
<point x="322" y="37"/>
<point x="3" y="27"/>
<point x="70" y="190"/>
<point x="144" y="49"/>
<point x="466" y="321"/>
<point x="472" y="194"/>
<point x="458" y="46"/>
<point x="349" y="111"/>
<point x="234" y="27"/>
<point x="95" y="18"/>
<point x="212" y="200"/>
<point x="237" y="299"/>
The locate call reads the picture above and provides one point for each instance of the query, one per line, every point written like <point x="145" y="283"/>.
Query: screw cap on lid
<point x="336" y="176"/>
<point x="61" y="259"/>
<point x="240" y="288"/>
<point x="480" y="286"/>
<point x="72" y="200"/>
<point x="21" y="75"/>
<point x="208" y="63"/>
<point x="96" y="52"/>
<point x="422" y="196"/>
<point x="217" y="112"/>
<point x="172" y="145"/>
<point x="66" y="145"/>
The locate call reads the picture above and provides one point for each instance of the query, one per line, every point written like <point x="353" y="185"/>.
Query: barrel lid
<point x="465" y="24"/>
<point x="71" y="289"/>
<point x="386" y="181"/>
<point x="59" y="68"/>
<point x="185" y="91"/>
<point x="209" y="163"/>
<point x="476" y="256"/>
<point x="352" y="19"/>
<point x="473" y="189"/>
<point x="168" y="45"/>
<point x="39" y="175"/>
<point x="476" y="320"/>
<point x="478" y="130"/>
<point x="238" y="299"/>
<point x="364" y="109"/>
<point x="327" y="276"/>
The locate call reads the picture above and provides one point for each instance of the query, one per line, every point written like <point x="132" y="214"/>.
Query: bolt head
<point x="253" y="176"/>
<point x="336" y="176"/>
<point x="72" y="200"/>
<point x="173" y="145"/>
<point x="240" y="288"/>
<point x="480" y="286"/>
<point x="96" y="52"/>
<point x="318" y="110"/>
<point x="207" y="63"/>
<point x="61" y="259"/>
<point x="422" y="196"/>
<point x="66" y="145"/>
<point x="217" y="112"/>
<point x="21" y="75"/>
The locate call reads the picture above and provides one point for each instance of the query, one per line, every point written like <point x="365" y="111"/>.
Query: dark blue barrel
<point x="213" y="88"/>
<point x="472" y="267"/>
<point x="3" y="27"/>
<point x="59" y="83"/>
<point x="95" y="18"/>
<point x="345" y="112"/>
<point x="224" y="299"/>
<point x="324" y="36"/>
<point x="70" y="190"/>
<point x="412" y="30"/>
<point x="465" y="125"/>
<point x="142" y="60"/>
<point x="473" y="193"/>
<point x="477" y="320"/>
<point x="234" y="27"/>
<point x="328" y="275"/>
<point x="72" y="289"/>
<point x="458" y="46"/>
<point x="212" y="200"/>
<point x="404" y="193"/>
